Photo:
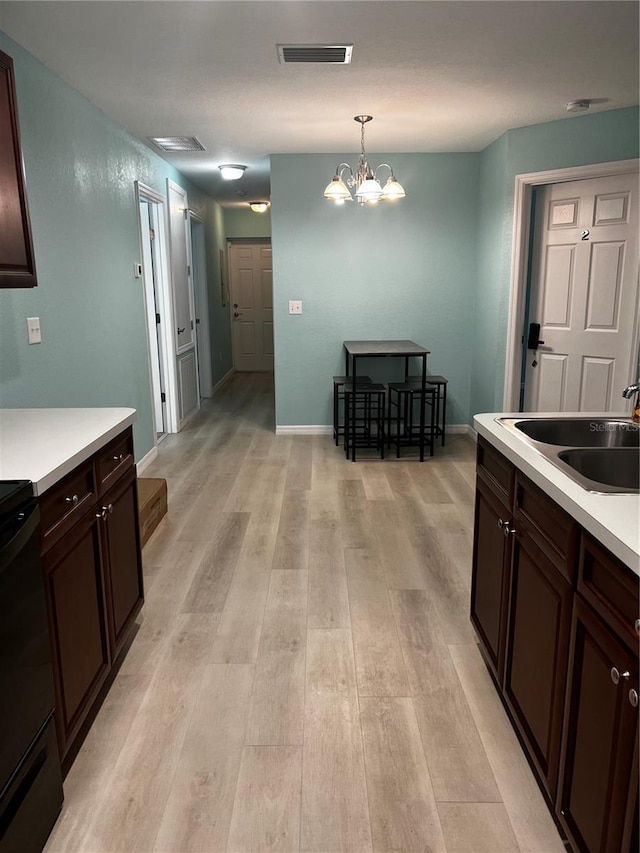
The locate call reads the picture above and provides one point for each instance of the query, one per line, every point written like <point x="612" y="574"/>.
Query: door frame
<point x="524" y="185"/>
<point x="167" y="348"/>
<point x="199" y="276"/>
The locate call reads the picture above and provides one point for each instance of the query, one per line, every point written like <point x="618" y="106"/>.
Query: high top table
<point x="384" y="349"/>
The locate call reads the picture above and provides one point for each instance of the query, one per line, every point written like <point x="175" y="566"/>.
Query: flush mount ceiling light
<point x="258" y="206"/>
<point x="368" y="189"/>
<point x="231" y="171"/>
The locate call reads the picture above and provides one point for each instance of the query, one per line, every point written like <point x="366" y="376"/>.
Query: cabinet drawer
<point x="610" y="587"/>
<point x="496" y="471"/>
<point x="114" y="459"/>
<point x="555" y="532"/>
<point x="63" y="504"/>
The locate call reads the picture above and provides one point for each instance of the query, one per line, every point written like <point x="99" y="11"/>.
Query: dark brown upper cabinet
<point x="17" y="264"/>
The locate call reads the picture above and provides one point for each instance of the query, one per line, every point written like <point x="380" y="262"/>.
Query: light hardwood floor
<point x="305" y="676"/>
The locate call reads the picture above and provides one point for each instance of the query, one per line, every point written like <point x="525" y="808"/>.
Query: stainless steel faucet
<point x="628" y="392"/>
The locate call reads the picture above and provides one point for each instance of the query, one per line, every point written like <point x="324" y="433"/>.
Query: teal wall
<point x="243" y="222"/>
<point x="80" y="169"/>
<point x="390" y="271"/>
<point x="576" y="141"/>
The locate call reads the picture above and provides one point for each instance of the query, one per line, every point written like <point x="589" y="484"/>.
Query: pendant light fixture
<point x="368" y="189"/>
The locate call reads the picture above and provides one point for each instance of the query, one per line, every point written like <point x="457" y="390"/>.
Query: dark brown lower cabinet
<point x="122" y="560"/>
<point x="598" y="785"/>
<point x="557" y="617"/>
<point x="77" y="624"/>
<point x="93" y="576"/>
<point x="536" y="658"/>
<point x="490" y="580"/>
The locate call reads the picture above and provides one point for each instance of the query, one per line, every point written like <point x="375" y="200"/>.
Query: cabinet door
<point x="490" y="578"/>
<point x="75" y="598"/>
<point x="536" y="658"/>
<point x="17" y="265"/>
<point x="599" y="736"/>
<point x="122" y="560"/>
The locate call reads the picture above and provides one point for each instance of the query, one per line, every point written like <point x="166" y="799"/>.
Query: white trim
<point x="305" y="429"/>
<point x="146" y="460"/>
<point x="222" y="381"/>
<point x="327" y="429"/>
<point x="519" y="256"/>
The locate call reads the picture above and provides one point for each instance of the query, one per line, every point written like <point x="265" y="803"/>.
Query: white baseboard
<point x="222" y="381"/>
<point x="323" y="429"/>
<point x="305" y="429"/>
<point x="146" y="460"/>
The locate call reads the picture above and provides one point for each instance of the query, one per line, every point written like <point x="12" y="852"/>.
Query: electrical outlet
<point x="33" y="330"/>
<point x="295" y="306"/>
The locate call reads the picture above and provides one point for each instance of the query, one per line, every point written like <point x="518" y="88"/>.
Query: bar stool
<point x="403" y="396"/>
<point x="371" y="409"/>
<point x="440" y="384"/>
<point x="338" y="397"/>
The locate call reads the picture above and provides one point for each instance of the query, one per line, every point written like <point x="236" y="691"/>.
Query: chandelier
<point x="368" y="189"/>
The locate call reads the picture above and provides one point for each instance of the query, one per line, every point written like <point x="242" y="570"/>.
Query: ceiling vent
<point x="330" y="54"/>
<point x="177" y="143"/>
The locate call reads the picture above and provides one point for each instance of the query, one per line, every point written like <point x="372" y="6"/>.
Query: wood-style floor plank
<point x="460" y="771"/>
<point x="401" y="801"/>
<point x="380" y="669"/>
<point x="328" y="595"/>
<point x="266" y="814"/>
<point x="335" y="813"/>
<point x="198" y="812"/>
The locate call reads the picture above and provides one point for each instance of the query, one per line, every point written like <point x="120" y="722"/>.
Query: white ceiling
<point x="451" y="75"/>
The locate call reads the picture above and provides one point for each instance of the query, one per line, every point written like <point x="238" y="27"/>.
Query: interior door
<point x="251" y="306"/>
<point x="584" y="295"/>
<point x="182" y="290"/>
<point x="180" y="272"/>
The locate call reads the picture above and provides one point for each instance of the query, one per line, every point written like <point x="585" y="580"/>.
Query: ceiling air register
<point x="368" y="189"/>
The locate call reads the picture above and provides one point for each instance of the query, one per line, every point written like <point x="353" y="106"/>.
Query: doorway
<point x="251" y="291"/>
<point x="155" y="274"/>
<point x="583" y="294"/>
<point x="593" y="370"/>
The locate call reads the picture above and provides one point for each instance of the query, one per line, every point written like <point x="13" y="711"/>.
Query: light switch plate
<point x="33" y="330"/>
<point x="295" y="306"/>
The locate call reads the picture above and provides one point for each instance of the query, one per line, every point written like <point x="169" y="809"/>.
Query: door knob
<point x="237" y="313"/>
<point x="616" y="675"/>
<point x="235" y="305"/>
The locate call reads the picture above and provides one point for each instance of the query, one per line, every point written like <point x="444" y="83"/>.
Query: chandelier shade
<point x="365" y="183"/>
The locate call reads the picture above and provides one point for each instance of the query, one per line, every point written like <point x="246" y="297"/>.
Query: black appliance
<point x="30" y="778"/>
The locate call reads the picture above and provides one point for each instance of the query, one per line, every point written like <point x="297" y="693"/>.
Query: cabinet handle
<point x="109" y="508"/>
<point x="118" y="458"/>
<point x="102" y="514"/>
<point x="633" y="697"/>
<point x="638" y="627"/>
<point x="616" y="675"/>
<point x="72" y="500"/>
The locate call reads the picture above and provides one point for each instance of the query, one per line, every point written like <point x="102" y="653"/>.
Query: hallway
<point x="305" y="676"/>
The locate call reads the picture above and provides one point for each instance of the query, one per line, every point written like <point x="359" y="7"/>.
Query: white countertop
<point x="612" y="519"/>
<point x="43" y="445"/>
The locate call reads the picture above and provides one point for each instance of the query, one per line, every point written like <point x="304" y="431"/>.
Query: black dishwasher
<point x="30" y="780"/>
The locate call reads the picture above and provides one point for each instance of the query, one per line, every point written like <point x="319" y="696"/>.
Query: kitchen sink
<point x="618" y="468"/>
<point x="582" y="432"/>
<point x="600" y="454"/>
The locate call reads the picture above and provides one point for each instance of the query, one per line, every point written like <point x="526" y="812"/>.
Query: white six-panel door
<point x="584" y="294"/>
<point x="251" y="306"/>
